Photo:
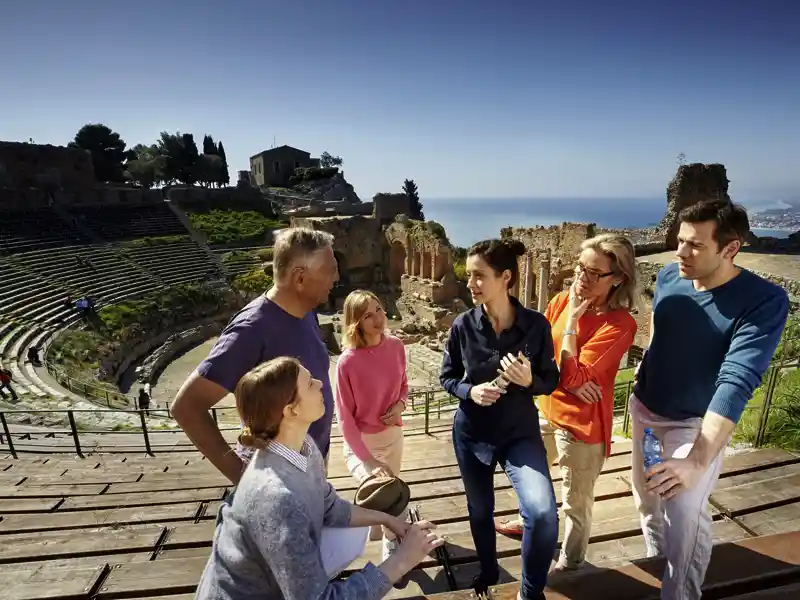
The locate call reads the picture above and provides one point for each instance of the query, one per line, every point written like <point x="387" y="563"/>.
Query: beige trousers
<point x="580" y="465"/>
<point x="387" y="447"/>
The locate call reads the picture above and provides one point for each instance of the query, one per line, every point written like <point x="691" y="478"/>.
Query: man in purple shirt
<point x="281" y="322"/>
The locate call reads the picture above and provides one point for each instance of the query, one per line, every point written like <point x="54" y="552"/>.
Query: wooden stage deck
<point x="135" y="526"/>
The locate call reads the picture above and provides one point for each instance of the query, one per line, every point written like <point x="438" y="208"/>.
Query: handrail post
<point x="74" y="429"/>
<point x="8" y="435"/>
<point x="626" y="417"/>
<point x="427" y="412"/>
<point x="772" y="380"/>
<point x="147" y="447"/>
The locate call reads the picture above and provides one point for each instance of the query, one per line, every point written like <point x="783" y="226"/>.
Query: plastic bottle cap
<point x="648" y="431"/>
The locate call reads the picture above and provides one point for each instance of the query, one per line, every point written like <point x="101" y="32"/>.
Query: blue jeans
<point x="525" y="463"/>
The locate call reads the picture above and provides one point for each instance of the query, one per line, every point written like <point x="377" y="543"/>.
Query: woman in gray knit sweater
<point x="267" y="541"/>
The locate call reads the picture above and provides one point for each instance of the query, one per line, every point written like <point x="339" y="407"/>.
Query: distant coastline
<point x="469" y="220"/>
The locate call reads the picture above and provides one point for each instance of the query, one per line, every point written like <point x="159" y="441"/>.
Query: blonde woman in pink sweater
<point x="371" y="393"/>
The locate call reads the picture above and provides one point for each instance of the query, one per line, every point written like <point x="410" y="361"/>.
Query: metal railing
<point x="89" y="390"/>
<point x="46" y="431"/>
<point x="760" y="423"/>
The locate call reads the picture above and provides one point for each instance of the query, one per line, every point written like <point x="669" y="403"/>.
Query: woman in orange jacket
<point x="592" y="330"/>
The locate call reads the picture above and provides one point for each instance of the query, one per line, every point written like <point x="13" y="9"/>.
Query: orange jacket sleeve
<point x="603" y="351"/>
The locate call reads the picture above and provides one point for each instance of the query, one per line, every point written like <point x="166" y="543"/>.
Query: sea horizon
<point x="468" y="220"/>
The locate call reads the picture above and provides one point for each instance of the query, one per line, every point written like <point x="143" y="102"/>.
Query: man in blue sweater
<point x="713" y="333"/>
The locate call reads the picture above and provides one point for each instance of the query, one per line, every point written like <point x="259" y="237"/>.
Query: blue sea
<point x="469" y="220"/>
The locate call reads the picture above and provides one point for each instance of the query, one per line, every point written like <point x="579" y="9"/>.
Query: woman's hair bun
<point x="516" y="247"/>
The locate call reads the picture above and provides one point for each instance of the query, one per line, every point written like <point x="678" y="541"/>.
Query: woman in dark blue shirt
<point x="499" y="355"/>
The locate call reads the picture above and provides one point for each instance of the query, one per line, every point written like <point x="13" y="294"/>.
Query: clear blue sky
<point x="469" y="98"/>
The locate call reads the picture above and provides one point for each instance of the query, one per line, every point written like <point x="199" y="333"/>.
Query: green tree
<point x="208" y="169"/>
<point x="224" y="175"/>
<point x="170" y="149"/>
<point x="147" y="169"/>
<point x="326" y="160"/>
<point x="410" y="189"/>
<point x="107" y="149"/>
<point x="190" y="158"/>
<point x="180" y="154"/>
<point x="209" y="147"/>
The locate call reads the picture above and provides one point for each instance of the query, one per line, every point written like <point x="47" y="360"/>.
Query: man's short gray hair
<point x="297" y="244"/>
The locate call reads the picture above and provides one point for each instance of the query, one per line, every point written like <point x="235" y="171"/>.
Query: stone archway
<point x="560" y="279"/>
<point x="344" y="276"/>
<point x="397" y="262"/>
<point x="427" y="264"/>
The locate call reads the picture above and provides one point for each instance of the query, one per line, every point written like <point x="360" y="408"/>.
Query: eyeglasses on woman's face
<point x="591" y="275"/>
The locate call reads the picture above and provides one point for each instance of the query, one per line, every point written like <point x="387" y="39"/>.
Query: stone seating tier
<point x="130" y="222"/>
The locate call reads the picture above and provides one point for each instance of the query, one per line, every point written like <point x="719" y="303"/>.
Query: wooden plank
<point x="66" y="544"/>
<point x="751" y="561"/>
<point x="612" y="520"/>
<point x="738" y="478"/>
<point x="159" y="577"/>
<point x="784" y="592"/>
<point x="169" y="483"/>
<point x="751" y="497"/>
<point x="30" y="505"/>
<point x="64" y="584"/>
<point x="757" y="459"/>
<point x="141" y="499"/>
<point x="164" y="513"/>
<point x="52" y="491"/>
<point x="88" y="478"/>
<point x="454" y="508"/>
<point x="172" y="597"/>
<point x="780" y="519"/>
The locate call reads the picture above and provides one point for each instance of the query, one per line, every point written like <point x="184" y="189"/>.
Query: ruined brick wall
<point x="361" y="250"/>
<point x="691" y="184"/>
<point x="27" y="166"/>
<point x="200" y="198"/>
<point x="387" y="206"/>
<point x="563" y="241"/>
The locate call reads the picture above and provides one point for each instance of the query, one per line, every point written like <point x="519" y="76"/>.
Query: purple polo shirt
<point x="262" y="330"/>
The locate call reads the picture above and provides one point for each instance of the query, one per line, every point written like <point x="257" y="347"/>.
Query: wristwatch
<point x="569" y="332"/>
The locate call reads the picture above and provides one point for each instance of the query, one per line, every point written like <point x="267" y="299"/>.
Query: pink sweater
<point x="368" y="382"/>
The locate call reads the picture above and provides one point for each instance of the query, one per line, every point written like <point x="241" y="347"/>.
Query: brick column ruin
<point x="544" y="281"/>
<point x="527" y="288"/>
<point x="416" y="263"/>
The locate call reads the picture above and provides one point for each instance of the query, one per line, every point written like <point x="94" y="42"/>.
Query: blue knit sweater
<point x="711" y="348"/>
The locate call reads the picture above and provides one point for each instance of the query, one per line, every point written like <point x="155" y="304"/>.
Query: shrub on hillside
<point x="158" y="241"/>
<point x="225" y="227"/>
<point x="160" y="310"/>
<point x="264" y="254"/>
<point x="460" y="271"/>
<point x="312" y="174"/>
<point x="253" y="283"/>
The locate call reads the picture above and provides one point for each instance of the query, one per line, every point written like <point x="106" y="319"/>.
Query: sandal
<point x="509" y="527"/>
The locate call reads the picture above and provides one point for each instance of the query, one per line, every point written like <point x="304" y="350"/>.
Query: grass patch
<point x="460" y="271"/>
<point x="783" y="423"/>
<point x="264" y="254"/>
<point x="233" y="226"/>
<point x="157" y="241"/>
<point x="159" y="311"/>
<point x="254" y="282"/>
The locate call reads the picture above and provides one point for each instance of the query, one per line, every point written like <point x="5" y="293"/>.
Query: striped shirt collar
<point x="298" y="459"/>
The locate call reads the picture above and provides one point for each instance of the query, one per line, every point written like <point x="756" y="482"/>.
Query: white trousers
<point x="340" y="546"/>
<point x="679" y="528"/>
<point x="387" y="447"/>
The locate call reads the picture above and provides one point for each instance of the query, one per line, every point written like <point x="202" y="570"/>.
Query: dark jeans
<point x="525" y="463"/>
<point x="9" y="388"/>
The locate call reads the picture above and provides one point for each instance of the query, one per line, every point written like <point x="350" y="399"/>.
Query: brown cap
<point x="385" y="494"/>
